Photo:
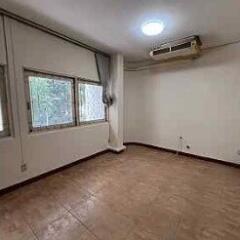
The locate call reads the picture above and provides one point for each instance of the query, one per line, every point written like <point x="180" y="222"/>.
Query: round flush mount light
<point x="152" y="28"/>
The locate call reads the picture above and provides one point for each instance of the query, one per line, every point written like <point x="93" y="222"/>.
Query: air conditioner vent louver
<point x="180" y="49"/>
<point x="181" y="46"/>
<point x="163" y="50"/>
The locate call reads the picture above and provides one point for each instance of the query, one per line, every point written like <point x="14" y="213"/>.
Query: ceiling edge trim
<point x="50" y="31"/>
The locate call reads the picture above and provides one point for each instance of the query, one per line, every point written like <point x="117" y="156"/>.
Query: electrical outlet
<point x="24" y="167"/>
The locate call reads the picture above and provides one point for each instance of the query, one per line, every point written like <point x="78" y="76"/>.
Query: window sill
<point x="70" y="128"/>
<point x="7" y="139"/>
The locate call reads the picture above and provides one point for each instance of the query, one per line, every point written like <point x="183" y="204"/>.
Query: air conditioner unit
<point x="186" y="48"/>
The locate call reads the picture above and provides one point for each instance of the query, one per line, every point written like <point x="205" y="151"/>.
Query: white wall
<point x="10" y="149"/>
<point x="42" y="152"/>
<point x="198" y="100"/>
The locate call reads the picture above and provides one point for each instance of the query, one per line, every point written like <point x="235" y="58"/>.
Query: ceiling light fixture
<point x="153" y="28"/>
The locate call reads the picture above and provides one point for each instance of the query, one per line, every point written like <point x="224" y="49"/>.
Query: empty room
<point x="119" y="120"/>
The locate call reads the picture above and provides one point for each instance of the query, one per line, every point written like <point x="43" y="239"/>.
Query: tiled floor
<point x="141" y="194"/>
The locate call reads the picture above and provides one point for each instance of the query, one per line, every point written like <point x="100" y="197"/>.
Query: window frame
<point x="78" y="102"/>
<point x="5" y="107"/>
<point x="28" y="73"/>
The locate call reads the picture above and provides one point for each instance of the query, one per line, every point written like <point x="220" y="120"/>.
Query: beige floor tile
<point x="160" y="222"/>
<point x="140" y="234"/>
<point x="65" y="228"/>
<point x="121" y="202"/>
<point x="208" y="224"/>
<point x="140" y="194"/>
<point x="68" y="193"/>
<point x="12" y="226"/>
<point x="102" y="220"/>
<point x="39" y="210"/>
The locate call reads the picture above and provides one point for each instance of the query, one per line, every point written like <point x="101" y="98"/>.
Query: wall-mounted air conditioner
<point x="181" y="49"/>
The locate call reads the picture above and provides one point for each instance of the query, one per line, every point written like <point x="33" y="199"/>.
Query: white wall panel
<point x="199" y="100"/>
<point x="36" y="49"/>
<point x="44" y="151"/>
<point x="10" y="147"/>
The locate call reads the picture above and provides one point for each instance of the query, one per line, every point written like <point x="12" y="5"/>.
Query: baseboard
<point x="118" y="150"/>
<point x="214" y="160"/>
<point x="44" y="175"/>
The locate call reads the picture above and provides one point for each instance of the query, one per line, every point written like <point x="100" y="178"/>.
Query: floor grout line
<point x="84" y="225"/>
<point x="193" y="184"/>
<point x="34" y="234"/>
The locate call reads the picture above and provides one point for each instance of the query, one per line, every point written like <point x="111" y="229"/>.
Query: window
<point x="57" y="102"/>
<point x="4" y="126"/>
<point x="50" y="101"/>
<point x="1" y="117"/>
<point x="91" y="107"/>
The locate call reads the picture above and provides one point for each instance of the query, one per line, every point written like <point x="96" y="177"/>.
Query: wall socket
<point x="24" y="167"/>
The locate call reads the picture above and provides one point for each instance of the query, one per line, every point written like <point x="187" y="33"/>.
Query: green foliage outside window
<point x="51" y="101"/>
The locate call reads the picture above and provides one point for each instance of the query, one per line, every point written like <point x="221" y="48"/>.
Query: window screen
<point x="4" y="126"/>
<point x="50" y="101"/>
<point x="91" y="107"/>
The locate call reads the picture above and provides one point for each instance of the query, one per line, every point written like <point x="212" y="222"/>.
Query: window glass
<point x="4" y="126"/>
<point x="91" y="107"/>
<point x="51" y="100"/>
<point x="1" y="116"/>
